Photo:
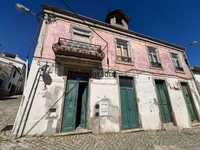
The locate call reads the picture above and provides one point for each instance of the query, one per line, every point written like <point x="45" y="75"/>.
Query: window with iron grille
<point x="123" y="51"/>
<point x="153" y="57"/>
<point x="176" y="62"/>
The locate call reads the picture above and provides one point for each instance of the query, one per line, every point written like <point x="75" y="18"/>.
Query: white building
<point x="196" y="73"/>
<point x="12" y="74"/>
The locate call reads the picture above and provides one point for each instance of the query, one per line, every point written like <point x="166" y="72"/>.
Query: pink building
<point x="93" y="76"/>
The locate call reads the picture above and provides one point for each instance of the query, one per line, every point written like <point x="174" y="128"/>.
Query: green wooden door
<point x="70" y="104"/>
<point x="84" y="106"/>
<point x="189" y="101"/>
<point x="129" y="111"/>
<point x="164" y="104"/>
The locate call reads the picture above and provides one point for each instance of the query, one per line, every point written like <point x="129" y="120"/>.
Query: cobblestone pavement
<point x="187" y="139"/>
<point x="8" y="110"/>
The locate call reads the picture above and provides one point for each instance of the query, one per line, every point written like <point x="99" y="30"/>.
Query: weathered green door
<point x="84" y="106"/>
<point x="70" y="104"/>
<point x="164" y="104"/>
<point x="189" y="101"/>
<point x="129" y="110"/>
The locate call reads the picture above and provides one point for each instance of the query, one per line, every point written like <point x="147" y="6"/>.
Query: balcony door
<point x="75" y="102"/>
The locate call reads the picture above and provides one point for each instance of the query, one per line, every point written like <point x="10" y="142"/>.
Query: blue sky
<point x="175" y="21"/>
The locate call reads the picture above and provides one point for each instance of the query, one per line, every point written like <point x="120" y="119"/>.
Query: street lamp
<point x="194" y="43"/>
<point x="48" y="19"/>
<point x="24" y="9"/>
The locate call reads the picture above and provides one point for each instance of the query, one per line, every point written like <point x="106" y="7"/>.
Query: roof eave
<point x="72" y="14"/>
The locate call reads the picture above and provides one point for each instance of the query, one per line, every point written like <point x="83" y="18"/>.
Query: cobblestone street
<point x="162" y="140"/>
<point x="8" y="110"/>
<point x="187" y="139"/>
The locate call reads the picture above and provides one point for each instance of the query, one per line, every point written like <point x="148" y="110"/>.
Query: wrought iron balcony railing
<point x="80" y="49"/>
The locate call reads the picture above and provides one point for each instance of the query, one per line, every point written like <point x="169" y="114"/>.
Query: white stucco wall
<point x="179" y="108"/>
<point x="147" y="102"/>
<point x="108" y="90"/>
<point x="19" y="121"/>
<point x="105" y="92"/>
<point x="40" y="120"/>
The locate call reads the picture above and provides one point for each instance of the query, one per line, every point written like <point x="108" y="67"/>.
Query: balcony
<point x="78" y="49"/>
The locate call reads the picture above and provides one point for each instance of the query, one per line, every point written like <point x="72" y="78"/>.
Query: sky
<point x="174" y="21"/>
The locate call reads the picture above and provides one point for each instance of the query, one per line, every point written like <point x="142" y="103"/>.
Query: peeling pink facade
<point x="104" y="101"/>
<point x="139" y="50"/>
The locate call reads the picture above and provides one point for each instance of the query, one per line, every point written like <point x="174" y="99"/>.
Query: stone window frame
<point x="129" y="51"/>
<point x="159" y="62"/>
<point x="180" y="68"/>
<point x="82" y="28"/>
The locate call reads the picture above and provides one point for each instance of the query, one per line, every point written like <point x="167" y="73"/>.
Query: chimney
<point x="117" y="18"/>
